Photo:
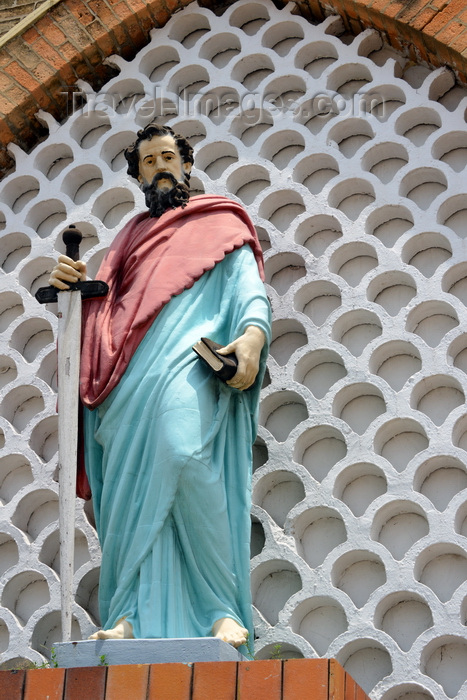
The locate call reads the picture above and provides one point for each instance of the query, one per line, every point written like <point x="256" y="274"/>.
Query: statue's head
<point x="161" y="161"/>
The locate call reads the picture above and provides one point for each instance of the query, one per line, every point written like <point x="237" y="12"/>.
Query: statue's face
<point x="160" y="155"/>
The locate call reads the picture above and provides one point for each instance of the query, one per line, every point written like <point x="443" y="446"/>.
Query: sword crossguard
<point x="89" y="289"/>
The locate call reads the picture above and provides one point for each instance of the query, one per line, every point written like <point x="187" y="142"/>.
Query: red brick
<point x="69" y="51"/>
<point x="363" y="14"/>
<point x="350" y="10"/>
<point x="74" y="31"/>
<point x="145" y="20"/>
<point x="25" y="54"/>
<point x="44" y="683"/>
<point x="397" y="43"/>
<point x="58" y="12"/>
<point x="19" y="123"/>
<point x="379" y="5"/>
<point x="376" y="20"/>
<point x="51" y="31"/>
<point x="85" y="683"/>
<point x="48" y="53"/>
<point x="80" y="11"/>
<point x="22" y="76"/>
<point x="453" y="7"/>
<point x="43" y="72"/>
<point x="303" y="677"/>
<point x="350" y="689"/>
<point x="420" y="53"/>
<point x="82" y="70"/>
<point x="353" y="690"/>
<point x="104" y="13"/>
<point x="137" y="5"/>
<point x="391" y="27"/>
<point x="408" y="13"/>
<point x="96" y="28"/>
<point x="16" y="95"/>
<point x="336" y="680"/>
<point x="121" y="9"/>
<point x="215" y="680"/>
<point x="423" y="18"/>
<point x="30" y="35"/>
<point x="11" y="683"/>
<point x="58" y="90"/>
<point x="96" y="57"/>
<point x="106" y="44"/>
<point x="161" y="17"/>
<point x="6" y="107"/>
<point x="5" y="59"/>
<point x="444" y="16"/>
<point x="449" y="33"/>
<point x="440" y="52"/>
<point x="316" y="9"/>
<point x="120" y="35"/>
<point x="360" y="694"/>
<point x="172" y="5"/>
<point x="6" y="135"/>
<point x="460" y="42"/>
<point x="259" y="680"/>
<point x="170" y="682"/>
<point x="43" y="99"/>
<point x="67" y="74"/>
<point x="355" y="26"/>
<point x="5" y="83"/>
<point x="135" y="32"/>
<point x="7" y="163"/>
<point x="124" y="682"/>
<point x="391" y="11"/>
<point x="405" y="12"/>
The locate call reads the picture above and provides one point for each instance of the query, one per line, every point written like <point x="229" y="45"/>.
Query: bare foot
<point x="230" y="631"/>
<point x="122" y="630"/>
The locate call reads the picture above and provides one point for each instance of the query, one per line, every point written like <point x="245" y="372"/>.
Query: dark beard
<point x="158" y="201"/>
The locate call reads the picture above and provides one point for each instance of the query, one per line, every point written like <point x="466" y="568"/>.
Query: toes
<point x="233" y="640"/>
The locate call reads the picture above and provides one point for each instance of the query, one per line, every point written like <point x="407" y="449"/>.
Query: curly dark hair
<point x="146" y="134"/>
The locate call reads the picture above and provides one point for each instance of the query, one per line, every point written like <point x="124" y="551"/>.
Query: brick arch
<point x="72" y="39"/>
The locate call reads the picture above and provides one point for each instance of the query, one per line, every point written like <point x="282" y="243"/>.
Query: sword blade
<point x="69" y="342"/>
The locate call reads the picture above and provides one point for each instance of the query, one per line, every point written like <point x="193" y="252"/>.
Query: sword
<point x="69" y="348"/>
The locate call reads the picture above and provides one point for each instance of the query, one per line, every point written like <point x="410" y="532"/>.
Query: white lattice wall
<point x="353" y="167"/>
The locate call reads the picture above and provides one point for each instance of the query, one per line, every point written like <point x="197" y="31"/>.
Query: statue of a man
<point x="167" y="445"/>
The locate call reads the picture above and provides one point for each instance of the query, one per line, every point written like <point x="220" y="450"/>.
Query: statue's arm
<point x="247" y="348"/>
<point x="67" y="270"/>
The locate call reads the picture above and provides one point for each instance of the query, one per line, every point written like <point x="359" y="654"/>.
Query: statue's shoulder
<point x="211" y="198"/>
<point x="214" y="202"/>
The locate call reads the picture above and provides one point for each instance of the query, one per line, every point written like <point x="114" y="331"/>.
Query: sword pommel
<point x="72" y="238"/>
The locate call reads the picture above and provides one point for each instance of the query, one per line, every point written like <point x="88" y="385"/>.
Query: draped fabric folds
<point x="168" y="457"/>
<point x="150" y="261"/>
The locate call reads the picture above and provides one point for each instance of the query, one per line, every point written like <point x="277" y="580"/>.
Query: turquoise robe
<point x="168" y="458"/>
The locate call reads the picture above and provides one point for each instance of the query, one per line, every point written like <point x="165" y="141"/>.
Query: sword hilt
<point x="72" y="238"/>
<point x="89" y="289"/>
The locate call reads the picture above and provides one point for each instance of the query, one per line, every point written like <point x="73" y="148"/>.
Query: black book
<point x="224" y="366"/>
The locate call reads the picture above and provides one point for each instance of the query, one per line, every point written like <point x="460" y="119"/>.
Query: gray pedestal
<point x="110" y="652"/>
